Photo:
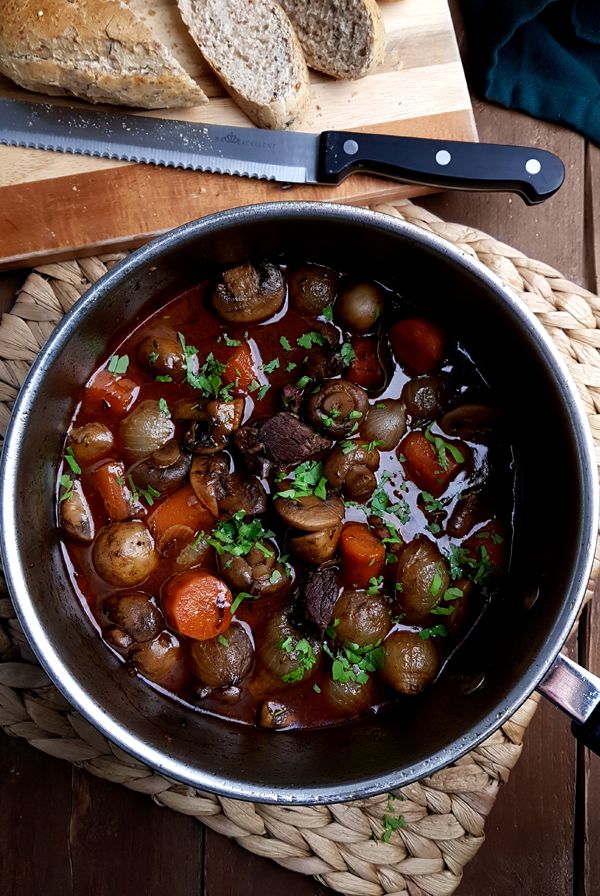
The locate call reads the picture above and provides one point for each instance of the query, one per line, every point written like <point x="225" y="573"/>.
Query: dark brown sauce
<point x="190" y="314"/>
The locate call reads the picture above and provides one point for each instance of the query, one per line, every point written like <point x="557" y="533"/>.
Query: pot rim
<point x="25" y="605"/>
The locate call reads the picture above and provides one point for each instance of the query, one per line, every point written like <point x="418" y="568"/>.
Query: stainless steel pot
<point x="517" y="645"/>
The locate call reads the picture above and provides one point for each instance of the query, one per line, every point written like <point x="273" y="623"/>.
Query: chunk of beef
<point x="287" y="440"/>
<point x="320" y="594"/>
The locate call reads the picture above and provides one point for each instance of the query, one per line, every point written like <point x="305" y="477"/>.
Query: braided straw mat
<point x="340" y="844"/>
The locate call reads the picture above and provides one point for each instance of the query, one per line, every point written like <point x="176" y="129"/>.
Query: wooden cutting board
<point x="55" y="206"/>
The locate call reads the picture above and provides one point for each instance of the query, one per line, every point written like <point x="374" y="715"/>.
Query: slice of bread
<point x="253" y="50"/>
<point x="342" y="38"/>
<point x="94" y="49"/>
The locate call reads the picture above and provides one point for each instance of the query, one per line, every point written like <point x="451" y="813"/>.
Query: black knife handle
<point x="533" y="173"/>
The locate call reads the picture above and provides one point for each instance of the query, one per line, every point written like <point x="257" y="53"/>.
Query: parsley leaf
<point x="327" y="312"/>
<point x="301" y="652"/>
<point x="263" y="391"/>
<point x="307" y="340"/>
<point x="308" y="480"/>
<point x="433" y="632"/>
<point x="223" y="640"/>
<point x="243" y="595"/>
<point x="66" y="483"/>
<point x="148" y="494"/>
<point x="303" y="382"/>
<point x="118" y="365"/>
<point x="347" y="353"/>
<point x="353" y="662"/>
<point x="164" y="407"/>
<point x="285" y="343"/>
<point x="444" y="448"/>
<point x="238" y="536"/>
<point x="232" y="343"/>
<point x="271" y="366"/>
<point x="291" y="366"/>
<point x="72" y="461"/>
<point x="163" y="379"/>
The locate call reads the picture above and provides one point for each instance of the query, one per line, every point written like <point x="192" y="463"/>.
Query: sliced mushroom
<point x="312" y="288"/>
<point x="135" y="613"/>
<point x="256" y="573"/>
<point x="337" y="407"/>
<point x="75" y="515"/>
<point x="351" y="470"/>
<point x="317" y="547"/>
<point x="214" y="422"/>
<point x="249" y="294"/>
<point x="474" y="423"/>
<point x="165" y="469"/>
<point x="206" y="474"/>
<point x="163" y="355"/>
<point x="241" y="493"/>
<point x="310" y="513"/>
<point x="90" y="442"/>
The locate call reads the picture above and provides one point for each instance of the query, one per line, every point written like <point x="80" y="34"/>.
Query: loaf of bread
<point x="253" y="50"/>
<point x="342" y="38"/>
<point x="94" y="49"/>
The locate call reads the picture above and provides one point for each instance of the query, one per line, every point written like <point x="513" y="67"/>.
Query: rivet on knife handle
<point x="535" y="174"/>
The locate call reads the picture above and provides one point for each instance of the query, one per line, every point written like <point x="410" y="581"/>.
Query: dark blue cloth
<point x="539" y="56"/>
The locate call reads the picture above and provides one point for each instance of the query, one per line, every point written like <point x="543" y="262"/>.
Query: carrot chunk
<point x="365" y="370"/>
<point x="363" y="555"/>
<point x="197" y="604"/>
<point x="182" y="508"/>
<point x="109" y="480"/>
<point x="240" y="367"/>
<point x="116" y="392"/>
<point x="418" y="344"/>
<point x="431" y="463"/>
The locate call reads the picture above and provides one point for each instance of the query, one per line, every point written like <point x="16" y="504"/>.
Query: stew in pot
<point x="286" y="496"/>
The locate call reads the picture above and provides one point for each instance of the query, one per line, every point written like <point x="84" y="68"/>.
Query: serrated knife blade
<point x="285" y="156"/>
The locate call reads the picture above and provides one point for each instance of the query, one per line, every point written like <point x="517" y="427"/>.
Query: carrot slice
<point x="423" y="465"/>
<point x="182" y="508"/>
<point x="197" y="604"/>
<point x="365" y="370"/>
<point x="363" y="555"/>
<point x="418" y="344"/>
<point x="116" y="392"/>
<point x="240" y="367"/>
<point x="111" y="484"/>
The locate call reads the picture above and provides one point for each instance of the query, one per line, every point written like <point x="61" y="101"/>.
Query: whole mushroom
<point x="164" y="470"/>
<point x="320" y="523"/>
<point x="124" y="554"/>
<point x="249" y="294"/>
<point x="256" y="572"/>
<point x="337" y="408"/>
<point x="350" y="468"/>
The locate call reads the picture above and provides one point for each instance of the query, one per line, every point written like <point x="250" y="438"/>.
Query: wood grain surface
<point x="82" y="204"/>
<point x="67" y="833"/>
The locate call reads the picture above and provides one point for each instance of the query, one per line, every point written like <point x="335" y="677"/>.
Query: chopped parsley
<point x="301" y="652"/>
<point x="307" y="340"/>
<point x="271" y="366"/>
<point x="254" y="385"/>
<point x="152" y="357"/>
<point x="275" y="577"/>
<point x="243" y="595"/>
<point x="303" y="382"/>
<point x="232" y="343"/>
<point x="66" y="483"/>
<point x="329" y="419"/>
<point x="436" y="631"/>
<point x="163" y="379"/>
<point x="285" y="343"/>
<point x="476" y="568"/>
<point x="380" y="504"/>
<point x="330" y="630"/>
<point x="223" y="640"/>
<point x="263" y="391"/>
<point x="238" y="536"/>
<point x="430" y="503"/>
<point x="208" y="377"/>
<point x="118" y="365"/>
<point x="443" y="448"/>
<point x="148" y="494"/>
<point x="72" y="461"/>
<point x="436" y="584"/>
<point x="347" y="353"/>
<point x="291" y="366"/>
<point x="353" y="662"/>
<point x="308" y="480"/>
<point x="375" y="583"/>
<point x="316" y="689"/>
<point x="164" y="407"/>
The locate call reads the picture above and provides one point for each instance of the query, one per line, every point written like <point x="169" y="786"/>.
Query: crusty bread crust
<point x="342" y="38"/>
<point x="253" y="50"/>
<point x="94" y="49"/>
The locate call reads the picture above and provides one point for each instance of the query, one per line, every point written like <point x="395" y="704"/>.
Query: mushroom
<point x="159" y="659"/>
<point x="410" y="663"/>
<point x="146" y="429"/>
<point x="118" y="639"/>
<point x="474" y="423"/>
<point x="351" y="469"/>
<point x="249" y="294"/>
<point x="90" y="442"/>
<point x="337" y="408"/>
<point x="136" y="614"/>
<point x="363" y="618"/>
<point x="256" y="573"/>
<point x="311" y="289"/>
<point x="206" y="474"/>
<point x="385" y="423"/>
<point x="75" y="515"/>
<point x="124" y="554"/>
<point x="359" y="307"/>
<point x="164" y="356"/>
<point x="223" y="661"/>
<point x="425" y="397"/>
<point x="423" y="575"/>
<point x="239" y="492"/>
<point x="321" y="520"/>
<point x="213" y="423"/>
<point x="164" y="470"/>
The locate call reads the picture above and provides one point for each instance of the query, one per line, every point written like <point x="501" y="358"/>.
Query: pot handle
<point x="577" y="692"/>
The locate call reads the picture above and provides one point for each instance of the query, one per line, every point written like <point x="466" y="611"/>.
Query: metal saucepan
<point x="516" y="647"/>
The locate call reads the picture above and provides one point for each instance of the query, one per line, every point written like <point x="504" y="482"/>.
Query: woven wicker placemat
<point x="340" y="844"/>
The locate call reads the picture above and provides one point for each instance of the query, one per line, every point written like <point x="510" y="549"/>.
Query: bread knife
<point x="290" y="157"/>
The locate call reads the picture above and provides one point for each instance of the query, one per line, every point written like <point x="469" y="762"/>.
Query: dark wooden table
<point x="66" y="832"/>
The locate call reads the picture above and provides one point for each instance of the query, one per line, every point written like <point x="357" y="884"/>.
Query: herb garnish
<point x="354" y="662"/>
<point x="208" y="377"/>
<point x="271" y="366"/>
<point x="307" y="340"/>
<point x="430" y="503"/>
<point x="223" y="640"/>
<point x="163" y="379"/>
<point x="434" y="632"/>
<point x="301" y="651"/>
<point x="347" y="353"/>
<point x="291" y="366"/>
<point x="164" y="407"/>
<point x="308" y="480"/>
<point x="72" y="461"/>
<point x="118" y="365"/>
<point x="243" y="595"/>
<point x="232" y="343"/>
<point x="148" y="494"/>
<point x="238" y="537"/>
<point x="391" y="823"/>
<point x="444" y="448"/>
<point x="285" y="343"/>
<point x="66" y="483"/>
<point x="375" y="583"/>
<point x="303" y="382"/>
